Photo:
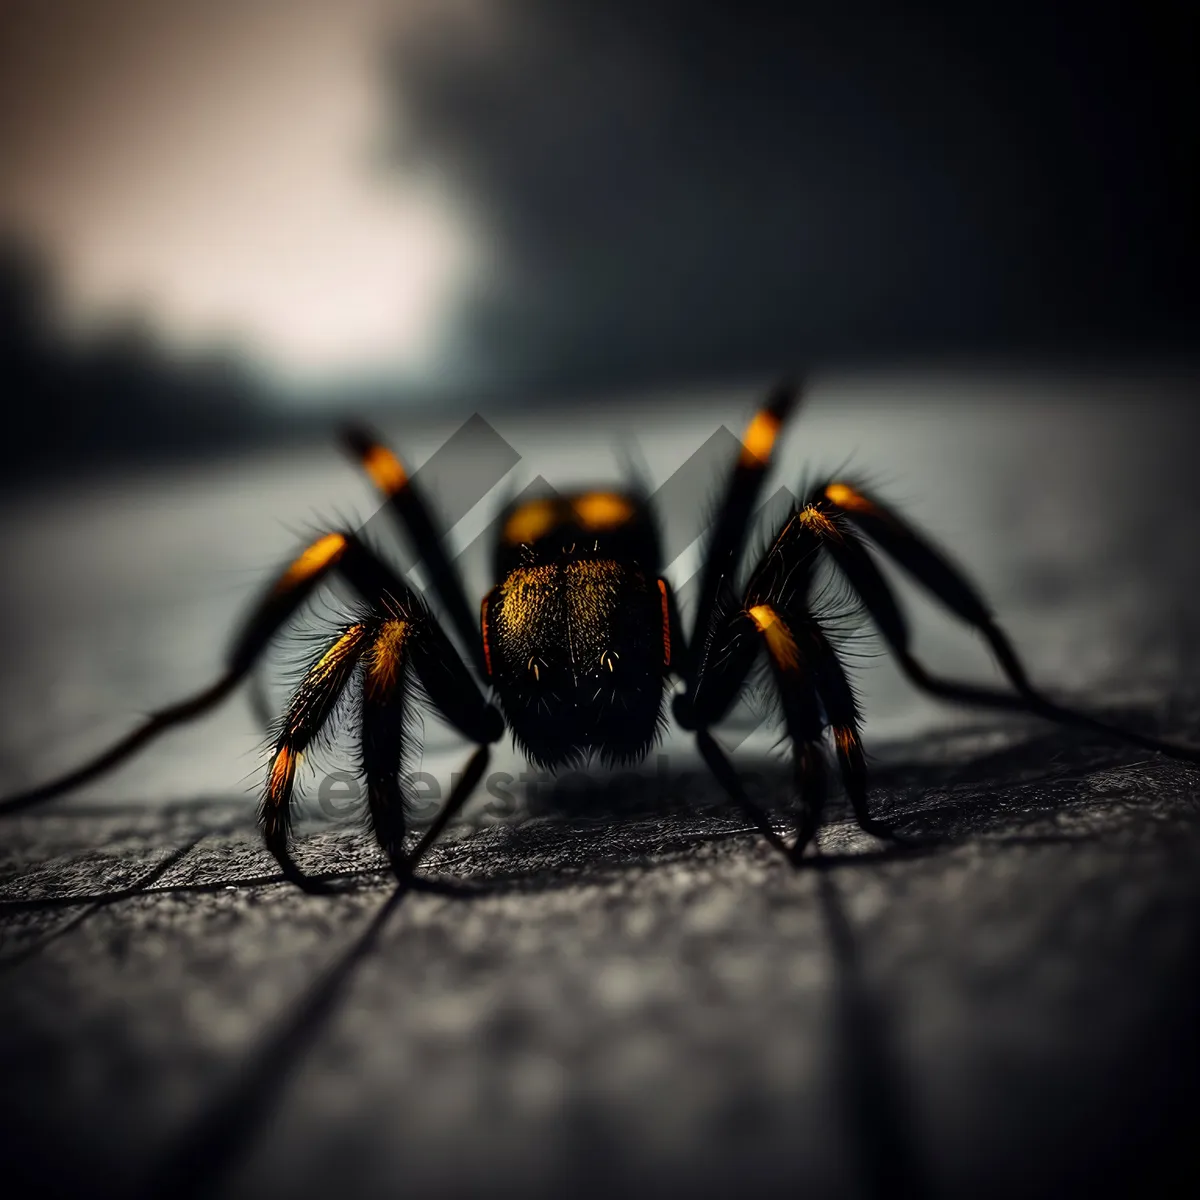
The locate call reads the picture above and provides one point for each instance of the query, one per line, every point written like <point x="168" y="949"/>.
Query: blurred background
<point x="227" y="227"/>
<point x="537" y="241"/>
<point x="226" y="219"/>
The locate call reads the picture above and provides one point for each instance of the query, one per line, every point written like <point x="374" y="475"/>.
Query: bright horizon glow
<point x="211" y="171"/>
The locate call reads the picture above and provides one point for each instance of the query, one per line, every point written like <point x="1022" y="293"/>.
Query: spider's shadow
<point x="934" y="803"/>
<point x="641" y="827"/>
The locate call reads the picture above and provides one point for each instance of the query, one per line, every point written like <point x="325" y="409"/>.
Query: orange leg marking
<point x="315" y="559"/>
<point x="846" y="497"/>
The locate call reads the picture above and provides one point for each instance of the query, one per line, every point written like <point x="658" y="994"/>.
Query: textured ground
<point x="630" y="1000"/>
<point x="638" y="994"/>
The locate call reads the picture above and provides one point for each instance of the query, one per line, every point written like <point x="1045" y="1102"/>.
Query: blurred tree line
<point x="74" y="401"/>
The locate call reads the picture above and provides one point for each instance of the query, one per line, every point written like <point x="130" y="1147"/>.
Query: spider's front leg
<point x="399" y="642"/>
<point x="413" y="514"/>
<point x="294" y="585"/>
<point x="375" y="641"/>
<point x="732" y="629"/>
<point x="813" y="690"/>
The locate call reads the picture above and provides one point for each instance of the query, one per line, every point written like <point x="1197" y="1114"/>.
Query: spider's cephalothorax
<point x="576" y="632"/>
<point x="574" y="645"/>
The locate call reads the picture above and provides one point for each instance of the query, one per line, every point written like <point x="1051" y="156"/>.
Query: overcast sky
<point x="575" y="197"/>
<point x="211" y="160"/>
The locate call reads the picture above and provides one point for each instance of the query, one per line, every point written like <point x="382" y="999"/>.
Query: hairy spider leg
<point x="389" y="648"/>
<point x="280" y="600"/>
<point x="715" y="660"/>
<point x="837" y="518"/>
<point x="408" y="505"/>
<point x="807" y="675"/>
<point x="414" y="516"/>
<point x="383" y="708"/>
<point x="729" y="633"/>
<point x="412" y="512"/>
<point x="404" y="638"/>
<point x="778" y="598"/>
<point x="793" y="676"/>
<point x="443" y="675"/>
<point x="312" y="706"/>
<point x="384" y="733"/>
<point x="725" y="544"/>
<point x="848" y="510"/>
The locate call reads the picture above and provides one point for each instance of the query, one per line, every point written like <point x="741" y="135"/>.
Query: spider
<point x="574" y="648"/>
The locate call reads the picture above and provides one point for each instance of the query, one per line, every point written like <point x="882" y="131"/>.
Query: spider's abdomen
<point x="577" y="644"/>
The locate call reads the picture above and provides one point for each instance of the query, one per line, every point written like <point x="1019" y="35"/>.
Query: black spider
<point x="580" y="636"/>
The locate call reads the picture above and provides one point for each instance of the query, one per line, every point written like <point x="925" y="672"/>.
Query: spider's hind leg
<point x="848" y="512"/>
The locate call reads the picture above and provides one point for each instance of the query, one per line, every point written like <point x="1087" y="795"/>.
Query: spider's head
<point x="575" y="632"/>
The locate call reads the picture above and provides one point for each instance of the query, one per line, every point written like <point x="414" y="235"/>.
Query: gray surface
<point x="654" y="1001"/>
<point x="643" y="995"/>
